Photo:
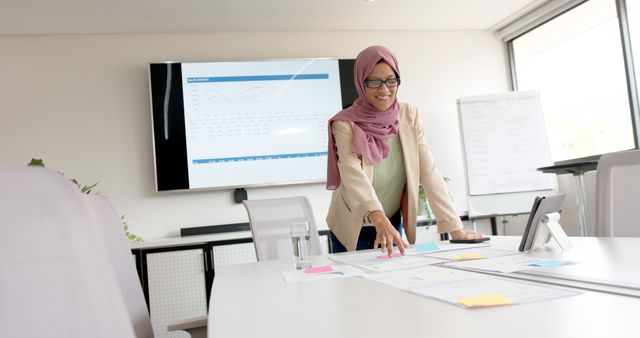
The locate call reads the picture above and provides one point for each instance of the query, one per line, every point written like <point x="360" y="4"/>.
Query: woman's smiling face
<point x="382" y="97"/>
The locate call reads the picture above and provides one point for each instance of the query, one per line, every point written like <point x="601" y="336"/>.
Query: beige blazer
<point x="355" y="195"/>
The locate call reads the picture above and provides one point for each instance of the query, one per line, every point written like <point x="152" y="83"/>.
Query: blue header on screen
<point x="283" y="77"/>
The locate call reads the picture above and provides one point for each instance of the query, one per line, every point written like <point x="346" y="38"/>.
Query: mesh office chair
<point x="270" y="221"/>
<point x="617" y="194"/>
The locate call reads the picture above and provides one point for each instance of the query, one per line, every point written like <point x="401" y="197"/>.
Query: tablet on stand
<point x="543" y="224"/>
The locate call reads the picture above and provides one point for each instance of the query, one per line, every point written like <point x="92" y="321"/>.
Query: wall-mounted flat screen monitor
<point x="224" y="125"/>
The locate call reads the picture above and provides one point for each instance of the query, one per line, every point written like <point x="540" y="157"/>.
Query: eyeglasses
<point x="378" y="83"/>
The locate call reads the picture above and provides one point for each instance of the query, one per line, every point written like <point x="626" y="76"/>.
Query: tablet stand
<point x="550" y="228"/>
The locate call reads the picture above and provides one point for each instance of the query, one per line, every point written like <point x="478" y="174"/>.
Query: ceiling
<point x="19" y="17"/>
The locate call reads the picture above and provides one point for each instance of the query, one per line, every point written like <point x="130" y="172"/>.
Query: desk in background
<point x="253" y="300"/>
<point x="577" y="168"/>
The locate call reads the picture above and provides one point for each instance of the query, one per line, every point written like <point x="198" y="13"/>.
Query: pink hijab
<point x="371" y="127"/>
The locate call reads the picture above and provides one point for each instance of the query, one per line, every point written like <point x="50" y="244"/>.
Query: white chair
<point x="56" y="278"/>
<point x="270" y="221"/>
<point x="109" y="225"/>
<point x="66" y="268"/>
<point x="617" y="194"/>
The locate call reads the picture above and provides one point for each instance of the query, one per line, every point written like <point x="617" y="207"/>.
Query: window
<point x="576" y="63"/>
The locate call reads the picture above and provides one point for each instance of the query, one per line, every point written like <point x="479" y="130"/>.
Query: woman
<point x="377" y="159"/>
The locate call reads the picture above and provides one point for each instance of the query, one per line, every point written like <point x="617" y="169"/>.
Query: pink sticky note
<point x="395" y="254"/>
<point x="318" y="269"/>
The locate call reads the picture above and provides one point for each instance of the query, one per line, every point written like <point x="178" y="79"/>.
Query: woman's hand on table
<point x="386" y="234"/>
<point x="463" y="234"/>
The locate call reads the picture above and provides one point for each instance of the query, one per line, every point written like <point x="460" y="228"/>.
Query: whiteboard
<point x="504" y="141"/>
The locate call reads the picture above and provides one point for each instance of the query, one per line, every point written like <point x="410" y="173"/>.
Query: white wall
<point x="81" y="103"/>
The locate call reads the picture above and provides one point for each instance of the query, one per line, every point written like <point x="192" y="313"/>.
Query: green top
<point x="389" y="177"/>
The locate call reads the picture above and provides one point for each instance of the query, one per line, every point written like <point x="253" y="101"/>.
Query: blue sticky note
<point x="549" y="263"/>
<point x="427" y="247"/>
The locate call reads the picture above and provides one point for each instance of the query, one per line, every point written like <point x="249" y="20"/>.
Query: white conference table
<point x="253" y="300"/>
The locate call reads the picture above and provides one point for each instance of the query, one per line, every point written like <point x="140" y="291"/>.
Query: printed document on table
<point x="422" y="276"/>
<point x="483" y="292"/>
<point x="375" y="260"/>
<point x="318" y="273"/>
<point x="511" y="263"/>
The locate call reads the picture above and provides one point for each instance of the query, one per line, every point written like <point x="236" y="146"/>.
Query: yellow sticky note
<point x="489" y="299"/>
<point x="470" y="255"/>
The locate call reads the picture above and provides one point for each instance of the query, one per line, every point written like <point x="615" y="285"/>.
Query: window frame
<point x="537" y="19"/>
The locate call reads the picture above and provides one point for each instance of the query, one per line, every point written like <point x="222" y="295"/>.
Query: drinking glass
<point x="300" y="240"/>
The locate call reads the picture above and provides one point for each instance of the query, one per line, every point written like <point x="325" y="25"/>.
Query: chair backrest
<point x="56" y="278"/>
<point x="617" y="194"/>
<point x="270" y="221"/>
<point x="109" y="225"/>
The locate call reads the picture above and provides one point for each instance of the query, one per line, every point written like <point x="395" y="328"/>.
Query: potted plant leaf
<point x="88" y="189"/>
